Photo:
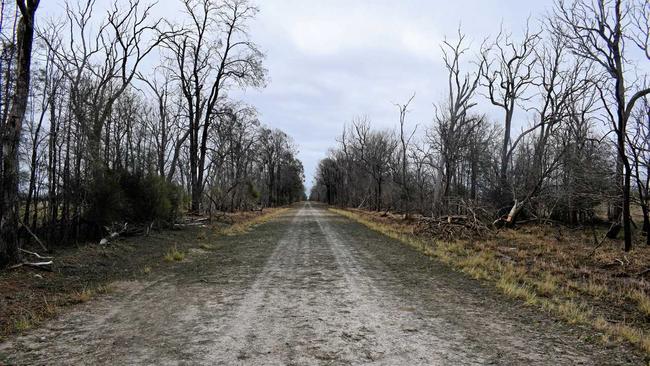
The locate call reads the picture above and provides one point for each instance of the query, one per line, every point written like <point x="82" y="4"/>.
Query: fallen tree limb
<point x="35" y="254"/>
<point x="44" y="266"/>
<point x="112" y="235"/>
<point x="33" y="236"/>
<point x="599" y="243"/>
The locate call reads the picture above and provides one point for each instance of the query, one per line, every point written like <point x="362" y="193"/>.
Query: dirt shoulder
<point x="552" y="270"/>
<point x="30" y="296"/>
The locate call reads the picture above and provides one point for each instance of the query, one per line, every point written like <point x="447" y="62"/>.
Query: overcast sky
<point x="329" y="61"/>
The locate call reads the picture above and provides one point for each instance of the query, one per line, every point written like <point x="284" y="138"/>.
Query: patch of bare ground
<point x="30" y="296"/>
<point x="551" y="268"/>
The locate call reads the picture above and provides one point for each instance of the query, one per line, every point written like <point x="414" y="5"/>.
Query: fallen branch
<point x="600" y="243"/>
<point x="33" y="235"/>
<point x="44" y="266"/>
<point x="112" y="235"/>
<point x="34" y="254"/>
<point x="643" y="273"/>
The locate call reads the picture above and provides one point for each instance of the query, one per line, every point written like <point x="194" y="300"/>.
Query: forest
<point x="110" y="116"/>
<point x="570" y="143"/>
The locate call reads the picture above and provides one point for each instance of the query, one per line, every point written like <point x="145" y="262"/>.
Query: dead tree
<point x="507" y="74"/>
<point x="597" y="31"/>
<point x="561" y="84"/>
<point x="405" y="140"/>
<point x="454" y="125"/>
<point x="375" y="152"/>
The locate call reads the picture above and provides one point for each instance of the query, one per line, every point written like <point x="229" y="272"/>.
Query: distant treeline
<point x="581" y="81"/>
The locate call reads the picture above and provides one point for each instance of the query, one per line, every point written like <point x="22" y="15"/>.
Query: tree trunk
<point x="11" y="136"/>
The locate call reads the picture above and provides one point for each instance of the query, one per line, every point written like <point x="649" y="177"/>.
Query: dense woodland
<point x="109" y="116"/>
<point x="571" y="145"/>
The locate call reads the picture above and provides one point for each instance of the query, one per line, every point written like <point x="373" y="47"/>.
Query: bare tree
<point x="639" y="147"/>
<point x="597" y="30"/>
<point x="101" y="62"/>
<point x="405" y="140"/>
<point x="212" y="56"/>
<point x="454" y="124"/>
<point x="11" y="133"/>
<point x="166" y="127"/>
<point x="507" y="74"/>
<point x="374" y="150"/>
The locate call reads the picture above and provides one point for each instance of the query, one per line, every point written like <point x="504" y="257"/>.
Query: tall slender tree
<point x="11" y="133"/>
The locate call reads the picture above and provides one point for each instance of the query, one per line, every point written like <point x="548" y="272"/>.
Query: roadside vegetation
<point x="28" y="297"/>
<point x="606" y="290"/>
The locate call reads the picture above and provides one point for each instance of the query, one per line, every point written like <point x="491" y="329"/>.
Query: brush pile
<point x="448" y="228"/>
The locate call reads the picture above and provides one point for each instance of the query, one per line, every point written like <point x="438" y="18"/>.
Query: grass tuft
<point x="82" y="296"/>
<point x="595" y="289"/>
<point x="642" y="301"/>
<point x="22" y="324"/>
<point x="174" y="255"/>
<point x="206" y="246"/>
<point x="547" y="286"/>
<point x="517" y="291"/>
<point x="572" y="312"/>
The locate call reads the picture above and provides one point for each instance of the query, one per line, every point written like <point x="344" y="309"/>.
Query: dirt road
<point x="308" y="288"/>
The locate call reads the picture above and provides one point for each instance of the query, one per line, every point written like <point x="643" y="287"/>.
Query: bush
<point x="120" y="196"/>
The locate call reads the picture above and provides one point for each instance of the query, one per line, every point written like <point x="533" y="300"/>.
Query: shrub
<point x="119" y="196"/>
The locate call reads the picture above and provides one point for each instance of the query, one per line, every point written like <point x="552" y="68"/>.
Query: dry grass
<point x="87" y="293"/>
<point x="642" y="300"/>
<point x="517" y="291"/>
<point x="246" y="224"/>
<point x="572" y="312"/>
<point x="206" y="246"/>
<point x="547" y="286"/>
<point x="82" y="296"/>
<point x="623" y="333"/>
<point x="22" y="324"/>
<point x="594" y="289"/>
<point x="547" y="268"/>
<point x="174" y="255"/>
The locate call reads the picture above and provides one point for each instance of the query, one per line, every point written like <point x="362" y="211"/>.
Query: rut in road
<point x="309" y="288"/>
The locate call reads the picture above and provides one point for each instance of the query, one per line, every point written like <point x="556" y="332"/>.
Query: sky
<point x="330" y="61"/>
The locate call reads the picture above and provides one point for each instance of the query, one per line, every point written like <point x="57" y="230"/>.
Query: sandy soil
<point x="309" y="288"/>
